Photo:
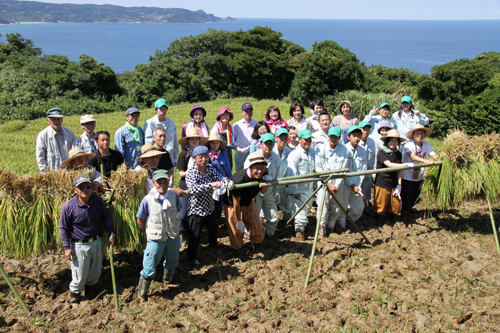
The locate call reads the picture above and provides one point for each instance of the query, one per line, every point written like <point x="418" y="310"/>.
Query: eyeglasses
<point x="84" y="187"/>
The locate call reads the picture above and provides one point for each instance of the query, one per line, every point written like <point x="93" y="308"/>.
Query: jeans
<point x="154" y="253"/>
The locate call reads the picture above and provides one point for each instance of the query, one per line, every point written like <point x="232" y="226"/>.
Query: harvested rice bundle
<point x="456" y="146"/>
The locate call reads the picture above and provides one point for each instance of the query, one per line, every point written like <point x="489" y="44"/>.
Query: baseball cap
<point x="87" y="119"/>
<point x="199" y="150"/>
<point x="159" y="174"/>
<point x="334" y="131"/>
<point x="246" y="106"/>
<point x="305" y="133"/>
<point x="267" y="137"/>
<point x="131" y="111"/>
<point x="406" y="99"/>
<point x="384" y="104"/>
<point x="353" y="128"/>
<point x="281" y="131"/>
<point x="55" y="113"/>
<point x="160" y="102"/>
<point x="364" y="123"/>
<point x="80" y="179"/>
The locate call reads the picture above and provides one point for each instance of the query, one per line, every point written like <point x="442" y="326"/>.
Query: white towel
<point x="166" y="204"/>
<point x="218" y="192"/>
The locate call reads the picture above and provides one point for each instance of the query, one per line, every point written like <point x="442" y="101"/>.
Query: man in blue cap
<point x="129" y="138"/>
<point x="243" y="130"/>
<point x="53" y="143"/>
<point x="301" y="161"/>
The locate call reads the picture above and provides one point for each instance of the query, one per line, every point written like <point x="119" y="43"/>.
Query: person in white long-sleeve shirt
<point x="321" y="137"/>
<point x="243" y="130"/>
<point x="375" y="121"/>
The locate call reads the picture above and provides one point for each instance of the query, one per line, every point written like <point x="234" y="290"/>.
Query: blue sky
<point x="328" y="9"/>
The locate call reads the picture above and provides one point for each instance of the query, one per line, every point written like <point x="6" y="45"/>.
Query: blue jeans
<point x="155" y="251"/>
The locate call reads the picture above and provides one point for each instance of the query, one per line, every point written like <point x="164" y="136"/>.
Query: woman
<point x="375" y="121"/>
<point x="274" y="120"/>
<point x="345" y="120"/>
<point x="197" y="121"/>
<point x="406" y="117"/>
<point x="293" y="134"/>
<point x="225" y="130"/>
<point x="259" y="130"/>
<point x="317" y="108"/>
<point x="220" y="161"/>
<point x="298" y="120"/>
<point x="388" y="185"/>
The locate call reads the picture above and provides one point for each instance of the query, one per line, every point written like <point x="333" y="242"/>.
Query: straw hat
<point x="256" y="158"/>
<point x="417" y="127"/>
<point x="216" y="137"/>
<point x="148" y="150"/>
<point x="74" y="153"/>
<point x="393" y="133"/>
<point x="192" y="133"/>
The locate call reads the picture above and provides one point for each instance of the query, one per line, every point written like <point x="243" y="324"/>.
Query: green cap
<point x="364" y="123"/>
<point x="281" y="131"/>
<point x="305" y="133"/>
<point x="267" y="137"/>
<point x="384" y="104"/>
<point x="159" y="174"/>
<point x="406" y="99"/>
<point x="55" y="113"/>
<point x="160" y="102"/>
<point x="353" y="128"/>
<point x="334" y="131"/>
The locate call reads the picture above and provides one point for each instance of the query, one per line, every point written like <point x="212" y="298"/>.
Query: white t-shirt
<point x="426" y="150"/>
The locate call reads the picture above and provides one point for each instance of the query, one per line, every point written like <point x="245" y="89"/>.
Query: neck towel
<point x="229" y="132"/>
<point x="137" y="134"/>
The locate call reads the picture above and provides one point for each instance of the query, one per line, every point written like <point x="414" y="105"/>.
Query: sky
<point x="327" y="9"/>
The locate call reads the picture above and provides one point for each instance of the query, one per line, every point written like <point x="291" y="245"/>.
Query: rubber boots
<point x="168" y="275"/>
<point x="143" y="287"/>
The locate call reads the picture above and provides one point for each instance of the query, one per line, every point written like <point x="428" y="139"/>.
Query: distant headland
<point x="14" y="11"/>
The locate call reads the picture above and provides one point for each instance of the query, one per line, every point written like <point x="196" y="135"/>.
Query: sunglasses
<point x="84" y="187"/>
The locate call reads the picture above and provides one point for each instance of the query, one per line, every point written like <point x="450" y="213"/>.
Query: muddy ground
<point x="439" y="272"/>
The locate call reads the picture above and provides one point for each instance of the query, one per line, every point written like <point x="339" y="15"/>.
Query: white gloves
<point x="171" y="184"/>
<point x="230" y="185"/>
<point x="416" y="112"/>
<point x="374" y="175"/>
<point x="278" y="198"/>
<point x="240" y="226"/>
<point x="267" y="178"/>
<point x="373" y="111"/>
<point x="397" y="191"/>
<point x="411" y="164"/>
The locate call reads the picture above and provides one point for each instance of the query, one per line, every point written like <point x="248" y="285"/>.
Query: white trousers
<point x="86" y="265"/>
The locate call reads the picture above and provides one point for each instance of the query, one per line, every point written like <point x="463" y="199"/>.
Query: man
<point x="165" y="163"/>
<point x="171" y="145"/>
<point x="78" y="160"/>
<point x="357" y="161"/>
<point x="321" y="137"/>
<point x="239" y="206"/>
<point x="110" y="159"/>
<point x="80" y="228"/>
<point x="53" y="143"/>
<point x="300" y="162"/>
<point x="370" y="146"/>
<point x="375" y="121"/>
<point x="266" y="204"/>
<point x="130" y="137"/>
<point x="331" y="156"/>
<point x="281" y="148"/>
<point x="243" y="130"/>
<point x="86" y="141"/>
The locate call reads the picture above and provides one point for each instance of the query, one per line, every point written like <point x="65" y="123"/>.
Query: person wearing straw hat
<point x="223" y="127"/>
<point x="281" y="148"/>
<point x="331" y="156"/>
<point x="87" y="141"/>
<point x="220" y="161"/>
<point x="406" y="117"/>
<point x="375" y="121"/>
<point x="79" y="160"/>
<point x="54" y="142"/>
<point x="301" y="161"/>
<point x="197" y="121"/>
<point x="388" y="185"/>
<point x="239" y="205"/>
<point x="415" y="150"/>
<point x="243" y="130"/>
<point x="129" y="138"/>
<point x="161" y="119"/>
<point x="157" y="217"/>
<point x="370" y="147"/>
<point x="267" y="204"/>
<point x="149" y="159"/>
<point x="80" y="227"/>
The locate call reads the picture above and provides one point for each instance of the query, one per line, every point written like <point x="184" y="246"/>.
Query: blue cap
<point x="353" y="128"/>
<point x="131" y="111"/>
<point x="305" y="133"/>
<point x="246" y="106"/>
<point x="334" y="131"/>
<point x="406" y="99"/>
<point x="160" y="102"/>
<point x="199" y="150"/>
<point x="384" y="105"/>
<point x="281" y="131"/>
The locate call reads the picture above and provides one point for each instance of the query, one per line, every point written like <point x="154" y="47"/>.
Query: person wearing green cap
<point x="281" y="148"/>
<point x="157" y="217"/>
<point x="267" y="204"/>
<point x="357" y="160"/>
<point x="171" y="145"/>
<point x="301" y="161"/>
<point x="406" y="117"/>
<point x="321" y="137"/>
<point x="384" y="109"/>
<point x="371" y="148"/>
<point x="54" y="142"/>
<point x="331" y="156"/>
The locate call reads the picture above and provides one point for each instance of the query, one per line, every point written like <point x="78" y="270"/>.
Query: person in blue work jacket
<point x="375" y="121"/>
<point x="406" y="117"/>
<point x="220" y="161"/>
<point x="129" y="138"/>
<point x="281" y="148"/>
<point x="371" y="148"/>
<point x="171" y="145"/>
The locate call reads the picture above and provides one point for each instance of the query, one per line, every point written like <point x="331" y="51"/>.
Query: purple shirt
<point x="79" y="221"/>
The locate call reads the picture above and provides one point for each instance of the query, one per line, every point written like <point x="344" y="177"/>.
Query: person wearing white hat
<point x="87" y="141"/>
<point x="79" y="160"/>
<point x="149" y="159"/>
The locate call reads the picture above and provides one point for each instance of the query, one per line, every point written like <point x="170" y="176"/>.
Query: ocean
<point x="416" y="45"/>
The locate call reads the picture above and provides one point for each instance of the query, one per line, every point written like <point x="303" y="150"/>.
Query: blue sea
<point x="416" y="45"/>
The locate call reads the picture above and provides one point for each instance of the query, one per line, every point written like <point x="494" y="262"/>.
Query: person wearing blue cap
<point x="406" y="117"/>
<point x="129" y="138"/>
<point x="375" y="121"/>
<point x="301" y="161"/>
<point x="54" y="142"/>
<point x="267" y="204"/>
<point x="171" y="145"/>
<point x="320" y="137"/>
<point x="331" y="156"/>
<point x="201" y="209"/>
<point x="243" y="130"/>
<point x="281" y="148"/>
<point x="371" y="148"/>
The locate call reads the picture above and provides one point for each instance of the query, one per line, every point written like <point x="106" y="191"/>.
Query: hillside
<point x="12" y="11"/>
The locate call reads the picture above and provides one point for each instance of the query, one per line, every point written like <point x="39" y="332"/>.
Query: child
<point x="259" y="130"/>
<point x="415" y="150"/>
<point x="293" y="134"/>
<point x="383" y="130"/>
<point x="220" y="161"/>
<point x="198" y="114"/>
<point x="274" y="120"/>
<point x="225" y="131"/>
<point x="157" y="217"/>
<point x="388" y="185"/>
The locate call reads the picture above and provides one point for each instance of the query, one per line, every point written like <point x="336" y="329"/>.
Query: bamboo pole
<point x="384" y="170"/>
<point x="14" y="290"/>
<point x="493" y="225"/>
<point x="314" y="174"/>
<point x="112" y="264"/>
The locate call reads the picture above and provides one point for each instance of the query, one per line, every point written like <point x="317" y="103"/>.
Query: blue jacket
<point x="127" y="146"/>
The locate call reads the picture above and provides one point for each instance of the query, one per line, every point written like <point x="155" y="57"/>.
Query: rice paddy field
<point x="436" y="272"/>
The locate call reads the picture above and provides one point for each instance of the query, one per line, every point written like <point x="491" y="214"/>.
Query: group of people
<point x="263" y="151"/>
